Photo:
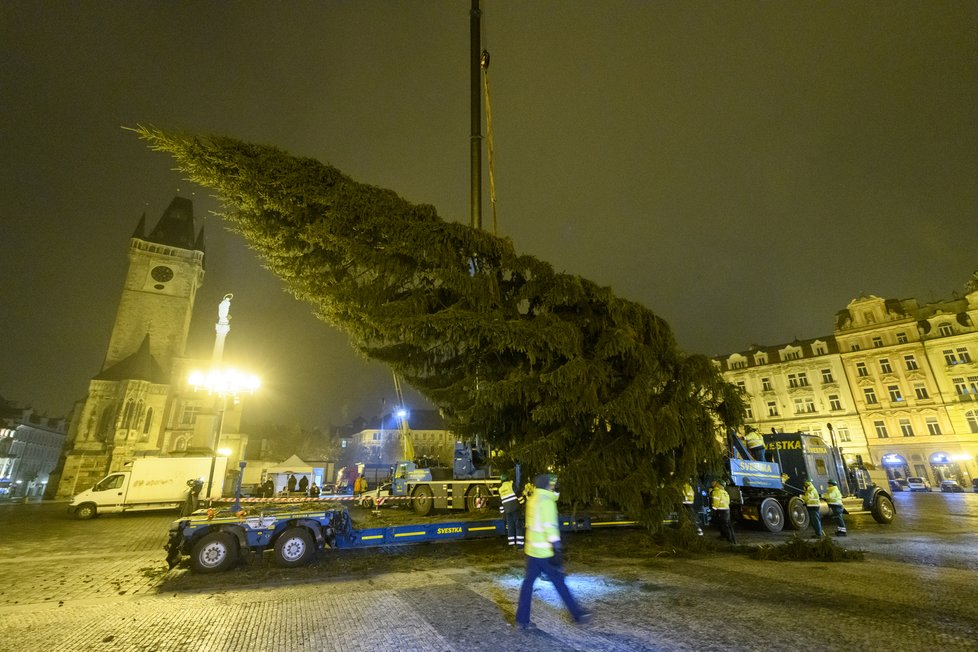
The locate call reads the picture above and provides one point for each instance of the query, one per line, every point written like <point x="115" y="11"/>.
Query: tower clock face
<point x="161" y="274"/>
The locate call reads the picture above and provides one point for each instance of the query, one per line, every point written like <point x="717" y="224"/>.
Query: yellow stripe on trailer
<point x="483" y="529"/>
<point x="603" y="523"/>
<point x="372" y="536"/>
<point x="410" y="534"/>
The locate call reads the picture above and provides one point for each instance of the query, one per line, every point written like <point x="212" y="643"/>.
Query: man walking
<point x="511" y="504"/>
<point x="834" y="498"/>
<point x="812" y="503"/>
<point x="543" y="552"/>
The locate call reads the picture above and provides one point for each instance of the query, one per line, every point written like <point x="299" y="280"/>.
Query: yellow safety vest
<point x="720" y="498"/>
<point x="754" y="440"/>
<point x="542" y="530"/>
<point x="811" y="495"/>
<point x="688" y="495"/>
<point x="833" y="496"/>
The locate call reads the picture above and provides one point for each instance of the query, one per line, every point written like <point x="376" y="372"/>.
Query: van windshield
<point x="110" y="482"/>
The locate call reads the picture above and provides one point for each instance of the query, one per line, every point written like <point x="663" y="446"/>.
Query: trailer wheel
<point x="293" y="548"/>
<point x="423" y="501"/>
<point x="883" y="511"/>
<point x="477" y="499"/>
<point x="86" y="511"/>
<point x="216" y="551"/>
<point x="772" y="515"/>
<point x="367" y="502"/>
<point x="797" y="513"/>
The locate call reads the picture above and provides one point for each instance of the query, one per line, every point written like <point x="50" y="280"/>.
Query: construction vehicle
<point x="296" y="534"/>
<point x="150" y="483"/>
<point x="468" y="485"/>
<point x="769" y="492"/>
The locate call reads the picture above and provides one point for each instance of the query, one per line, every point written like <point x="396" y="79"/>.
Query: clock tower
<point x="166" y="268"/>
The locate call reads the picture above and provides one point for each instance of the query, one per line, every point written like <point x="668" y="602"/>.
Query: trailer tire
<point x="367" y="503"/>
<point x="423" y="502"/>
<point x="214" y="552"/>
<point x="293" y="548"/>
<point x="797" y="514"/>
<point x="86" y="511"/>
<point x="477" y="500"/>
<point x="883" y="511"/>
<point x="771" y="514"/>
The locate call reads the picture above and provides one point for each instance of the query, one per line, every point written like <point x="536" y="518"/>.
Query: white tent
<point x="293" y="466"/>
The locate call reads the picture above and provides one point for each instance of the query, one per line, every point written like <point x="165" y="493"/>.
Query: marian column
<point x="222" y="327"/>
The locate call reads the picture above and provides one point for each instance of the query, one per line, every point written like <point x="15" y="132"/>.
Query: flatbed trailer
<point x="215" y="541"/>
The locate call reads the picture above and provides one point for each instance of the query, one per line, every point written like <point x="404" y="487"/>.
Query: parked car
<point x="951" y="487"/>
<point x="974" y="485"/>
<point x="899" y="484"/>
<point x="918" y="484"/>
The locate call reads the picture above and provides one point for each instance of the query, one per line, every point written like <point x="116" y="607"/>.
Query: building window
<point x="870" y="395"/>
<point x="910" y="361"/>
<point x="827" y="376"/>
<point x="905" y="428"/>
<point x="885" y="366"/>
<point x="933" y="427"/>
<point x="972" y="417"/>
<point x="820" y="349"/>
<point x="742" y="386"/>
<point x="766" y="384"/>
<point x="920" y="390"/>
<point x="881" y="430"/>
<point x="960" y="387"/>
<point x="834" y="402"/>
<point x="963" y="355"/>
<point x="902" y="338"/>
<point x="895" y="394"/>
<point x="861" y="369"/>
<point x="748" y="413"/>
<point x="877" y="342"/>
<point x="792" y="355"/>
<point x="760" y="358"/>
<point x="844" y="435"/>
<point x="853" y="347"/>
<point x="945" y="329"/>
<point x="804" y="405"/>
<point x="772" y="408"/>
<point x="740" y="364"/>
<point x="189" y="416"/>
<point x="949" y="357"/>
<point x="798" y="380"/>
<point x="973" y="384"/>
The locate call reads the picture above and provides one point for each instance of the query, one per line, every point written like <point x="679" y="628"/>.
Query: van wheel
<point x="293" y="548"/>
<point x="86" y="511"/>
<point x="772" y="515"/>
<point x="797" y="514"/>
<point x="422" y="500"/>
<point x="216" y="551"/>
<point x="883" y="511"/>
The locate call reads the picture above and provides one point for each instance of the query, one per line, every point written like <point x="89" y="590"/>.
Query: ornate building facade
<point x="896" y="383"/>
<point x="141" y="403"/>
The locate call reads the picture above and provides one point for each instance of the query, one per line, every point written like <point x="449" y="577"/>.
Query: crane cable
<point x="484" y="61"/>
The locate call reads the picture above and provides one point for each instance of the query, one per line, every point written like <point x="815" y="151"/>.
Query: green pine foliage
<point x="550" y="367"/>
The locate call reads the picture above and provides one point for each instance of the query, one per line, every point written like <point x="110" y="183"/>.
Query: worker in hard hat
<point x="813" y="503"/>
<point x="511" y="507"/>
<point x="720" y="505"/>
<point x="543" y="552"/>
<point x="833" y="497"/>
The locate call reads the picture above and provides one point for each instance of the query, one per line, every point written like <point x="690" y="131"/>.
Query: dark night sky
<point x="743" y="169"/>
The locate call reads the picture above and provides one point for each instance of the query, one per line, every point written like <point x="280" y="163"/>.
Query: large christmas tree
<point x="550" y="367"/>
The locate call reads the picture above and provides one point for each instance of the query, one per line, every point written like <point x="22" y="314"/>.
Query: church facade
<point x="141" y="402"/>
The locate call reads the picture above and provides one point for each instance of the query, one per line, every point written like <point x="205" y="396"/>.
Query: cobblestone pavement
<point x="103" y="585"/>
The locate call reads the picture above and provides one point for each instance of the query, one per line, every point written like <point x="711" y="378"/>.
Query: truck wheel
<point x="477" y="499"/>
<point x="883" y="511"/>
<point x="293" y="548"/>
<point x="422" y="500"/>
<point x="86" y="511"/>
<point x="797" y="513"/>
<point x="772" y="515"/>
<point x="367" y="503"/>
<point x="214" y="552"/>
